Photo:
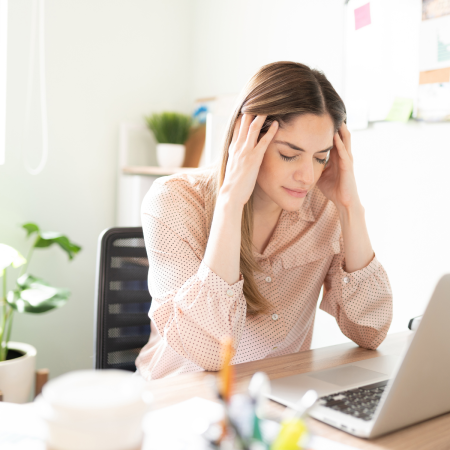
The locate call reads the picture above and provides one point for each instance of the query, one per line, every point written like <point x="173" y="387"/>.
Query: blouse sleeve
<point x="360" y="301"/>
<point x="193" y="309"/>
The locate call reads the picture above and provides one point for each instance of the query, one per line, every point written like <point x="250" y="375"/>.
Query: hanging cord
<point x="37" y="21"/>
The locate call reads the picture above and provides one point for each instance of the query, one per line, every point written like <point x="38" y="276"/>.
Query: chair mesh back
<point x="123" y="299"/>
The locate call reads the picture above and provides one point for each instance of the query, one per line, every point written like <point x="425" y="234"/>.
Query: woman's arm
<point x="195" y="303"/>
<point x="357" y="291"/>
<point x="191" y="308"/>
<point x="360" y="301"/>
<point x="338" y="184"/>
<point x="222" y="253"/>
<point x="357" y="247"/>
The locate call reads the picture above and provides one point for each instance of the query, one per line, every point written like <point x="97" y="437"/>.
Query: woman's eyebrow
<point x="294" y="147"/>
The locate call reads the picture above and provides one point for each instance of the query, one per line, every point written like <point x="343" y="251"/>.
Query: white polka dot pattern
<point x="193" y="309"/>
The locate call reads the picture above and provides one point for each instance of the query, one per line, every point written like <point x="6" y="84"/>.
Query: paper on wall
<point x="381" y="58"/>
<point x="400" y="110"/>
<point x="362" y="16"/>
<point x="433" y="102"/>
<point x="432" y="9"/>
<point x="435" y="76"/>
<point x="434" y="49"/>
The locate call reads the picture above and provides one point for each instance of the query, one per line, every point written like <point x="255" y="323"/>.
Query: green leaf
<point x="50" y="237"/>
<point x="19" y="261"/>
<point x="170" y="127"/>
<point x="30" y="228"/>
<point x="36" y="296"/>
<point x="10" y="256"/>
<point x="26" y="281"/>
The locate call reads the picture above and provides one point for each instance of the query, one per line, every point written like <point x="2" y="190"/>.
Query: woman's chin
<point x="291" y="205"/>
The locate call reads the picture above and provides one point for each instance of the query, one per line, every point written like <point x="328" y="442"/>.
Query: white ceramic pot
<point x="17" y="375"/>
<point x="170" y="155"/>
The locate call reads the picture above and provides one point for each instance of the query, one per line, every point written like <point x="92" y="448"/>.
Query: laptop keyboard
<point x="360" y="402"/>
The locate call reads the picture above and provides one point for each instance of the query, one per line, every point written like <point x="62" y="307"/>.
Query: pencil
<point x="227" y="371"/>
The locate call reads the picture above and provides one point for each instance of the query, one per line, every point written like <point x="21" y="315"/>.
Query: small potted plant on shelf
<point x="30" y="295"/>
<point x="171" y="131"/>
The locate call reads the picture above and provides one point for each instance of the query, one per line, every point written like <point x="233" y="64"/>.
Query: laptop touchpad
<point x="346" y="376"/>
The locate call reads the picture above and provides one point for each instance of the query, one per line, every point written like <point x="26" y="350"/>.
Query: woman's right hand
<point x="245" y="156"/>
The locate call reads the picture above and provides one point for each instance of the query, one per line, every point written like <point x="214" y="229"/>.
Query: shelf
<point x="155" y="170"/>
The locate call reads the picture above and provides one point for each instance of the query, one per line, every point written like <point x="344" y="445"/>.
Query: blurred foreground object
<point x="294" y="434"/>
<point x="94" y="410"/>
<point x="227" y="373"/>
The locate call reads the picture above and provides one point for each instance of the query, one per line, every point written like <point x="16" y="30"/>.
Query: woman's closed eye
<point x="292" y="158"/>
<point x="288" y="158"/>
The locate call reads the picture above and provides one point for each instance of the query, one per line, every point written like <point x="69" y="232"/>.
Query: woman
<point x="243" y="250"/>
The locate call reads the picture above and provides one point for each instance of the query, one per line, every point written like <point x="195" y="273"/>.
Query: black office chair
<point x="122" y="325"/>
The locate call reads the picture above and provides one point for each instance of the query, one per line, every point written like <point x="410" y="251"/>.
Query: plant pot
<point x="170" y="155"/>
<point x="17" y="373"/>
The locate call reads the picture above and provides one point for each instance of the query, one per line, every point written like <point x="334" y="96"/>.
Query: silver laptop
<point x="379" y="395"/>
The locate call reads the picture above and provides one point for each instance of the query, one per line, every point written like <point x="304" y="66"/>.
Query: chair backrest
<point x="122" y="325"/>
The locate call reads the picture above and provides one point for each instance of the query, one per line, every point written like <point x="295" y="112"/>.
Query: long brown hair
<point x="281" y="90"/>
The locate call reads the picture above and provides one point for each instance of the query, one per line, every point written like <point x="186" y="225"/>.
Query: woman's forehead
<point x="315" y="132"/>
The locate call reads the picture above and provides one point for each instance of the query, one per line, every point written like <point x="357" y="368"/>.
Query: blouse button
<point x="268" y="279"/>
<point x="346" y="280"/>
<point x="275" y="316"/>
<point x="230" y="293"/>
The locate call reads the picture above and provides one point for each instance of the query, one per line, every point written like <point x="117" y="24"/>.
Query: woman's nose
<point x="305" y="174"/>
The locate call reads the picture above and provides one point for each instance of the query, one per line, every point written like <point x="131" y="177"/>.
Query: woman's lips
<point x="299" y="193"/>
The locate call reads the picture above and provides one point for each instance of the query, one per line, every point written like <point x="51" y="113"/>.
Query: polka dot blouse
<point x="193" y="309"/>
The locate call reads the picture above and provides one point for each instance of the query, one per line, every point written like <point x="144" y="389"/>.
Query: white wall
<point x="233" y="39"/>
<point x="3" y="53"/>
<point x="106" y="61"/>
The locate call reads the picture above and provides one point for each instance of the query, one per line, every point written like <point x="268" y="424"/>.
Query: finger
<point x="237" y="125"/>
<point x="267" y="138"/>
<point x="332" y="159"/>
<point x="245" y="125"/>
<point x="341" y="150"/>
<point x="346" y="137"/>
<point x="254" y="131"/>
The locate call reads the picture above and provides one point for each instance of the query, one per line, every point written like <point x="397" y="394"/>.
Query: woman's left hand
<point x="337" y="181"/>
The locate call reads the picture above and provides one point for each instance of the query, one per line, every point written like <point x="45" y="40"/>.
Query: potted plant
<point x="171" y="131"/>
<point x="30" y="295"/>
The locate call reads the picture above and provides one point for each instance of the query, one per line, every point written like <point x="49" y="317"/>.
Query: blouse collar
<point x="304" y="213"/>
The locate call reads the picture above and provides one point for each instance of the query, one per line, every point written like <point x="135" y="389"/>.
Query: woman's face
<point x="294" y="161"/>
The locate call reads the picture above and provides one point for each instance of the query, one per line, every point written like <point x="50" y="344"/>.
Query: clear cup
<point x="94" y="410"/>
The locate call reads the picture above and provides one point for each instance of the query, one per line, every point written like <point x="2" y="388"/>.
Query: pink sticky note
<point x="362" y="16"/>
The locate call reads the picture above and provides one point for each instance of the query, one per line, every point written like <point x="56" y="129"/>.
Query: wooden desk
<point x="433" y="434"/>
